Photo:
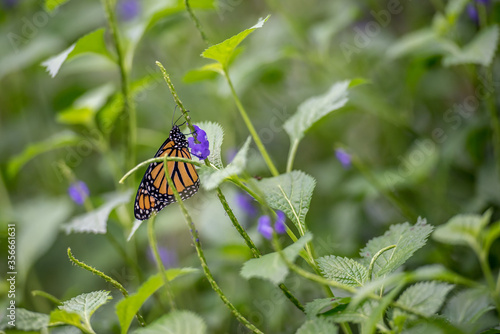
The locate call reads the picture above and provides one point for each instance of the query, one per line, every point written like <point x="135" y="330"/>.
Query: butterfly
<point x="154" y="193"/>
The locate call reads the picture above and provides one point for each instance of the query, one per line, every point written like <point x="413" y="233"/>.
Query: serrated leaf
<point x="318" y="326"/>
<point x="50" y="5"/>
<point x="62" y="317"/>
<point x="215" y="135"/>
<point x="86" y="304"/>
<point x="359" y="314"/>
<point x="343" y="270"/>
<point x="424" y="297"/>
<point x="28" y="320"/>
<point x="96" y="221"/>
<point x="211" y="178"/>
<point x="58" y="140"/>
<point x="479" y="51"/>
<point x="91" y="43"/>
<point x="408" y="239"/>
<point x="463" y="229"/>
<point x="176" y="322"/>
<point x="271" y="266"/>
<point x="313" y="109"/>
<point x="223" y="51"/>
<point x="468" y="306"/>
<point x="290" y="193"/>
<point x="128" y="307"/>
<point x="314" y="308"/>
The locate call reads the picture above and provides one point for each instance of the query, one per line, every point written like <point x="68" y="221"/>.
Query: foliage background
<point x="389" y="124"/>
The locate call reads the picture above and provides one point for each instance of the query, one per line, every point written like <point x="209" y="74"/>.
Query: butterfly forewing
<point x="154" y="183"/>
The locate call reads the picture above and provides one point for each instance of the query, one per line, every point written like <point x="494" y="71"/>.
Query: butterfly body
<point x="154" y="193"/>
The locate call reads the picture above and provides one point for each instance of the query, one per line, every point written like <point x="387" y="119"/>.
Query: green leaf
<point x="359" y="314"/>
<point x="271" y="266"/>
<point x="223" y="51"/>
<point x="424" y="297"/>
<point x="480" y="50"/>
<point x="128" y="307"/>
<point x="290" y="193"/>
<point x="58" y="140"/>
<point x="407" y="239"/>
<point x="343" y="270"/>
<point x="378" y="310"/>
<point x="421" y="42"/>
<point x="215" y="135"/>
<point x="206" y="72"/>
<point x="176" y="322"/>
<point x="85" y="107"/>
<point x="107" y="116"/>
<point x="50" y="5"/>
<point x="491" y="234"/>
<point x="468" y="306"/>
<point x="28" y="320"/>
<point x="96" y="221"/>
<point x="463" y="229"/>
<point x="61" y="317"/>
<point x="212" y="178"/>
<point x="317" y="306"/>
<point x="315" y="108"/>
<point x="318" y="326"/>
<point x="91" y="43"/>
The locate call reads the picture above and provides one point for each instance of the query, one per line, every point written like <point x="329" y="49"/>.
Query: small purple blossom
<point x="280" y="226"/>
<point x="246" y="203"/>
<point x="264" y="227"/>
<point x="472" y="12"/>
<point x="343" y="157"/>
<point x="201" y="149"/>
<point x="78" y="191"/>
<point x="168" y="258"/>
<point x="128" y="9"/>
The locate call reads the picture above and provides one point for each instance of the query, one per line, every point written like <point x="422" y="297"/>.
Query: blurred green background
<point x="418" y="125"/>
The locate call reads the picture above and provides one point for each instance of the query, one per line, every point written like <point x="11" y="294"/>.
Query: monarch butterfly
<point x="154" y="193"/>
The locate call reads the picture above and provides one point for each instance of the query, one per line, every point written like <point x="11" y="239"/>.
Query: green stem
<point x="375" y="257"/>
<point x="46" y="295"/>
<point x="196" y="241"/>
<point x="159" y="263"/>
<point x="491" y="105"/>
<point x="255" y="251"/>
<point x="129" y="107"/>
<point x="157" y="159"/>
<point x="251" y="128"/>
<point x="291" y="155"/>
<point x="196" y="22"/>
<point x="108" y="279"/>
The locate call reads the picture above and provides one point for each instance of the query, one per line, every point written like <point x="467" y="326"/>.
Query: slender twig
<point x="44" y="294"/>
<point x="159" y="263"/>
<point x="196" y="241"/>
<point x="128" y="106"/>
<point x="251" y="128"/>
<point x="108" y="279"/>
<point x="291" y="155"/>
<point x="196" y="22"/>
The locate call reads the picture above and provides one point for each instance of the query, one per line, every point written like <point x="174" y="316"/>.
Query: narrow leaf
<point x="479" y="51"/>
<point x="128" y="307"/>
<point x="223" y="51"/>
<point x="271" y="266"/>
<point x="424" y="297"/>
<point x="407" y="239"/>
<point x="343" y="270"/>
<point x="96" y="221"/>
<point x="290" y="193"/>
<point x="176" y="322"/>
<point x="318" y="306"/>
<point x="315" y="108"/>
<point x="212" y="178"/>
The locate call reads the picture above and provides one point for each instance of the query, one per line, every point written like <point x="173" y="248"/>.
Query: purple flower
<point x="78" y="191"/>
<point x="343" y="157"/>
<point x="168" y="258"/>
<point x="264" y="227"/>
<point x="472" y="12"/>
<point x="484" y="2"/>
<point x="246" y="203"/>
<point x="200" y="149"/>
<point x="128" y="9"/>
<point x="280" y="226"/>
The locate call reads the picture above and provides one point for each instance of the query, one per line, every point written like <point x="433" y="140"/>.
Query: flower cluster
<point x="128" y="9"/>
<point x="200" y="150"/>
<point x="78" y="191"/>
<point x="264" y="225"/>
